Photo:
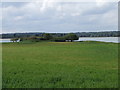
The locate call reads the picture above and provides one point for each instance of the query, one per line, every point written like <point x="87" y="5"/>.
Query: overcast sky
<point x="59" y="16"/>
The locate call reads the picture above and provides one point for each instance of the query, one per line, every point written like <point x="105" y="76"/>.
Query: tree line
<point x="48" y="37"/>
<point x="79" y="34"/>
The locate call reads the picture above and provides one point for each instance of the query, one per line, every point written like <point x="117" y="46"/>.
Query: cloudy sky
<point x="59" y="16"/>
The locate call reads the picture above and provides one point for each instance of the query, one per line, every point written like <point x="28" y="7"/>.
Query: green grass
<point x="60" y="65"/>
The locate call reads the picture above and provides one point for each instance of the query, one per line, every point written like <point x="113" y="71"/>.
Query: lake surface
<point x="102" y="39"/>
<point x="4" y="40"/>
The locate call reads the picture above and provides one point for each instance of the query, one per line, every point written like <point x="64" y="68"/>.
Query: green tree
<point x="47" y="36"/>
<point x="71" y="37"/>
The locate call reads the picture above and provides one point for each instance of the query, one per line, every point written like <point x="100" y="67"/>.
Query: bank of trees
<point x="49" y="37"/>
<point x="71" y="37"/>
<point x="58" y="37"/>
<point x="79" y="34"/>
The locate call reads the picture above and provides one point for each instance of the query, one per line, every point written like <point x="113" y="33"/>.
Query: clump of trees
<point x="68" y="37"/>
<point x="71" y="37"/>
<point x="49" y="37"/>
<point x="32" y="38"/>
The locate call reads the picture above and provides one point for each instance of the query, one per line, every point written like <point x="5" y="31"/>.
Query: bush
<point x="71" y="37"/>
<point x="47" y="36"/>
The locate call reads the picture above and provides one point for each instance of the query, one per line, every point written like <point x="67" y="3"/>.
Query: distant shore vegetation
<point x="79" y="34"/>
<point x="48" y="37"/>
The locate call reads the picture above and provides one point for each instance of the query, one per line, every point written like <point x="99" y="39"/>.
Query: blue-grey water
<point x="102" y="39"/>
<point x="5" y="40"/>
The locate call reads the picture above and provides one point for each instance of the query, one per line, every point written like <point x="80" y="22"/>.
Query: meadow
<point x="60" y="65"/>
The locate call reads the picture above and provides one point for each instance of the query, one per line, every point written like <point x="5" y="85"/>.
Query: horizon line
<point x="57" y="32"/>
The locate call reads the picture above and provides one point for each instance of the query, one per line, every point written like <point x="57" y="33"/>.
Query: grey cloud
<point x="27" y="17"/>
<point x="101" y="10"/>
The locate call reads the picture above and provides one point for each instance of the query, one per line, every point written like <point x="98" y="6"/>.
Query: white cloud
<point x="62" y="15"/>
<point x="18" y="18"/>
<point x="58" y="0"/>
<point x="56" y="16"/>
<point x="0" y="13"/>
<point x="75" y="14"/>
<point x="59" y="8"/>
<point x="112" y="17"/>
<point x="46" y="4"/>
<point x="101" y="3"/>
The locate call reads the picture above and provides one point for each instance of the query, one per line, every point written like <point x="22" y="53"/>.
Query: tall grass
<point x="60" y="65"/>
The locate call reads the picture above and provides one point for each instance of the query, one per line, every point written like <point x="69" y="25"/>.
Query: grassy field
<point x="60" y="65"/>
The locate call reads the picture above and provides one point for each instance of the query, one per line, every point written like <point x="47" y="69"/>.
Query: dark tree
<point x="47" y="36"/>
<point x="71" y="37"/>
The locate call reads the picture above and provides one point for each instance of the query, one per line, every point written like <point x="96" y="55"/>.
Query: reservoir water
<point x="4" y="40"/>
<point x="102" y="39"/>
